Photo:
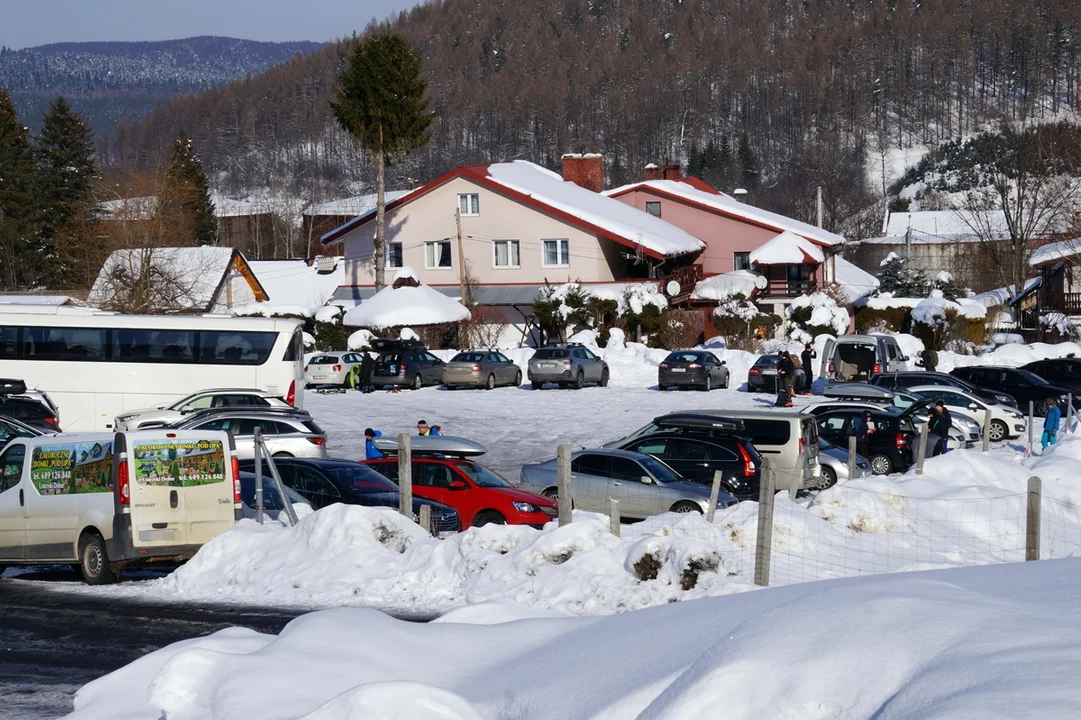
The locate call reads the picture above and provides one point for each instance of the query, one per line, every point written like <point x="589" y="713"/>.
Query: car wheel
<point x="881" y="464"/>
<point x="94" y="560"/>
<point x="828" y="479"/>
<point x="708" y="384"/>
<point x="282" y="454"/>
<point x="999" y="431"/>
<point x="604" y="377"/>
<point x="537" y="385"/>
<point x="490" y="382"/>
<point x="552" y="494"/>
<point x="418" y="382"/>
<point x="518" y="379"/>
<point x="726" y="377"/>
<point x="580" y="380"/>
<point x="488" y="517"/>
<point x="685" y="506"/>
<point x="452" y="387"/>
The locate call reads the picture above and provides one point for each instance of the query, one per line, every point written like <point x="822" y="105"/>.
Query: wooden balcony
<point x="687" y="277"/>
<point x="789" y="288"/>
<point x="1065" y="303"/>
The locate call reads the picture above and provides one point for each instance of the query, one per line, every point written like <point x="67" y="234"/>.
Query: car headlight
<point x="125" y="418"/>
<point x="524" y="507"/>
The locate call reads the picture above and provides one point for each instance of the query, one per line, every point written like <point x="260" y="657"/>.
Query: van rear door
<point x="824" y="371"/>
<point x="182" y="486"/>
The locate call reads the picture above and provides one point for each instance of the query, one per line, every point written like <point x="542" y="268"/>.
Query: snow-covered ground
<point x="987" y="642"/>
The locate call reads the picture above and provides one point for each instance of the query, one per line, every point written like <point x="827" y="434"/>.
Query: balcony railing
<point x="789" y="288"/>
<point x="1065" y="303"/>
<point x="687" y="277"/>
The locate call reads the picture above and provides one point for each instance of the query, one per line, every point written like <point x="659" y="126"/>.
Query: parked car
<point x="964" y="432"/>
<point x="643" y="485"/>
<point x="10" y="428"/>
<point x="762" y="377"/>
<point x="571" y="365"/>
<point x="1023" y="385"/>
<point x="220" y="398"/>
<point x="891" y="442"/>
<point x="32" y="407"/>
<point x="1060" y="371"/>
<point x="692" y="368"/>
<point x="405" y="363"/>
<point x="286" y="434"/>
<point x="324" y="481"/>
<point x="835" y="465"/>
<point x="913" y="413"/>
<point x="1006" y="422"/>
<point x="333" y="369"/>
<point x="481" y="368"/>
<point x="904" y="380"/>
<point x="444" y="469"/>
<point x="859" y="357"/>
<point x="272" y="502"/>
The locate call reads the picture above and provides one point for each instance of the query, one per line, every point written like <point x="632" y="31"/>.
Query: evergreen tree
<point x="66" y="174"/>
<point x="192" y="188"/>
<point x="901" y="281"/>
<point x="20" y="260"/>
<point x="724" y="155"/>
<point x="748" y="164"/>
<point x="380" y="102"/>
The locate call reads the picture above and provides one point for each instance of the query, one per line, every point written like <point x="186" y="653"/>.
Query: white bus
<point x="95" y="364"/>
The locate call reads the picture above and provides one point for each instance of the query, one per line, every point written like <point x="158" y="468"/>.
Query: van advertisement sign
<point x="72" y="468"/>
<point x="179" y="463"/>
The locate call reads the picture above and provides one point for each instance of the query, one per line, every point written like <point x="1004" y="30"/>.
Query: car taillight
<point x="664" y="366"/>
<point x="567" y="363"/>
<point x="748" y="463"/>
<point x="831" y="367"/>
<point x="337" y="368"/>
<point x="477" y="368"/>
<point x="123" y="483"/>
<point x="902" y="443"/>
<point x="236" y="479"/>
<point x="694" y="366"/>
<point x="878" y="368"/>
<point x="317" y="440"/>
<point x="755" y="371"/>
<point x="291" y="396"/>
<point x="404" y="367"/>
<point x="305" y="368"/>
<point x="51" y="420"/>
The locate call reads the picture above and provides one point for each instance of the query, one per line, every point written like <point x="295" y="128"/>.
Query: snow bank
<point x="725" y="285"/>
<point x="1011" y="355"/>
<point x="824" y="313"/>
<point x="972" y="642"/>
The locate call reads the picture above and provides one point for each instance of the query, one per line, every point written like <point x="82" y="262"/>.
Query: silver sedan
<point x="285" y="434"/>
<point x="481" y="368"/>
<point x="834" y="462"/>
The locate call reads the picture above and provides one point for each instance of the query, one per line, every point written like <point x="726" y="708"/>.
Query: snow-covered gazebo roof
<point x="406" y="302"/>
<point x="788" y="248"/>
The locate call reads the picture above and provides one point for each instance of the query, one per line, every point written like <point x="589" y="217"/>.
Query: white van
<point x="854" y="358"/>
<point x="109" y="501"/>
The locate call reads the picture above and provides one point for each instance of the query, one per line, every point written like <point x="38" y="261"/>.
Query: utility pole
<point x="461" y="256"/>
<point x="908" y="244"/>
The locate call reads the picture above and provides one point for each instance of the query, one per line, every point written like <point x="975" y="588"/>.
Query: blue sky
<point x="26" y="23"/>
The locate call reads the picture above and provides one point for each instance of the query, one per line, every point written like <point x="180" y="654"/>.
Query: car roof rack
<point x="392" y="344"/>
<point x="433" y="445"/>
<point x="700" y="421"/>
<point x="11" y="386"/>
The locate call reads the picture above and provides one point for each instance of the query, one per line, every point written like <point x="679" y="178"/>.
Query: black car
<point x="692" y="368"/>
<point x="1023" y="385"/>
<point x="11" y="428"/>
<point x="891" y="441"/>
<point x="1062" y="371"/>
<point x="325" y="482"/>
<point x="762" y="377"/>
<point x="696" y="455"/>
<point x="905" y="380"/>
<point x="31" y="412"/>
<point x="405" y="363"/>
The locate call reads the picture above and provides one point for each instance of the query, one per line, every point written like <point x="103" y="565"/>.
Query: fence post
<point x="1032" y="519"/>
<point x="714" y="493"/>
<point x="613" y="514"/>
<point x="1069" y="411"/>
<point x="921" y="449"/>
<point x="426" y="517"/>
<point x="764" y="541"/>
<point x="851" y="457"/>
<point x="405" y="475"/>
<point x="563" y="477"/>
<point x="987" y="430"/>
<point x="258" y="476"/>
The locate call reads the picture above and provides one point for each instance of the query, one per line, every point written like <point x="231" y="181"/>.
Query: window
<point x="235" y="348"/>
<point x="201" y="403"/>
<point x="626" y="469"/>
<point x="741" y="261"/>
<point x="393" y="255"/>
<point x="9" y="343"/>
<point x="469" y="203"/>
<point x="506" y="253"/>
<point x="557" y="253"/>
<point x="591" y="465"/>
<point x="49" y="343"/>
<point x="437" y="254"/>
<point x="169" y="346"/>
<point x="681" y="449"/>
<point x="12" y="463"/>
<point x="313" y="486"/>
<point x="767" y="432"/>
<point x="431" y="475"/>
<point x="653" y="208"/>
<point x="295" y="350"/>
<point x="651" y="447"/>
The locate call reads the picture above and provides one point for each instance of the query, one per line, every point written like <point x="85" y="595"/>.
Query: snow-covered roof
<point x="296" y="283"/>
<point x="233" y="207"/>
<point x="352" y="206"/>
<point x="188" y="277"/>
<point x="406" y="305"/>
<point x="698" y="193"/>
<point x="547" y="191"/>
<point x="1055" y="251"/>
<point x="853" y="281"/>
<point x="1003" y="295"/>
<point x="787" y="248"/>
<point x="944" y="223"/>
<point x="43" y="300"/>
<point x="725" y="285"/>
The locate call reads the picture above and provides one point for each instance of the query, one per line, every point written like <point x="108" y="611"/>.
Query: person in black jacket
<point x="939" y="425"/>
<point x="786" y="375"/>
<point x="367" y="365"/>
<point x="807" y="356"/>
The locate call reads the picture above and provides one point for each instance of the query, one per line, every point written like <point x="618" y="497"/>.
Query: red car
<point x="479" y="495"/>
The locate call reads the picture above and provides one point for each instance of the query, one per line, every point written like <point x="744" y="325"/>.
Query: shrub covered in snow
<point x="740" y="321"/>
<point x="640" y="309"/>
<point x="813" y="315"/>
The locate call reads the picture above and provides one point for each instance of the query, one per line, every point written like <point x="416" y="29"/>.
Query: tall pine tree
<point x="20" y="262"/>
<point x="66" y="174"/>
<point x="191" y="187"/>
<point x="748" y="163"/>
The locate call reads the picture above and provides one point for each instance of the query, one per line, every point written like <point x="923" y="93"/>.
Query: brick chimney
<point x="653" y="172"/>
<point x="584" y="170"/>
<point x="668" y="171"/>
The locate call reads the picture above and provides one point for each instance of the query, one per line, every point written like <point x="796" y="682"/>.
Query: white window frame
<point x="517" y="245"/>
<point x="559" y="254"/>
<point x="658" y="204"/>
<point x="426" y="257"/>
<point x="387" y="255"/>
<point x="469" y="204"/>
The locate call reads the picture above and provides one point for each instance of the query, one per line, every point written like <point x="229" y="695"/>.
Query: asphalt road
<point x="53" y="641"/>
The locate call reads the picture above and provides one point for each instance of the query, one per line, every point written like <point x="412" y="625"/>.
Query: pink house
<point x="517" y="226"/>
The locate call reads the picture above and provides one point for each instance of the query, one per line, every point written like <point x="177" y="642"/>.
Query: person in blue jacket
<point x="1050" y="423"/>
<point x="370" y="450"/>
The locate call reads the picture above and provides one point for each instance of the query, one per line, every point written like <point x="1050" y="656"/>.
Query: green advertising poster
<point x="72" y="468"/>
<point x="179" y="463"/>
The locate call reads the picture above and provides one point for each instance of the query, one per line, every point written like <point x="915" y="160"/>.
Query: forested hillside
<point x="107" y="81"/>
<point x="812" y="88"/>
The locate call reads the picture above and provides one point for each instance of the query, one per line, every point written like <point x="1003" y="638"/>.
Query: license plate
<point x="769" y="372"/>
<point x="445" y="534"/>
<point x="679" y="369"/>
<point x="547" y="365"/>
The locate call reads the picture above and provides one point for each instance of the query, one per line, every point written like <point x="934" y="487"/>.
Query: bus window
<point x="48" y="343"/>
<point x="235" y="348"/>
<point x="295" y="351"/>
<point x="171" y="346"/>
<point x="9" y="343"/>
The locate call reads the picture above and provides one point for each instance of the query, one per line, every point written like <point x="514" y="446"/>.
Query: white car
<point x="220" y="398"/>
<point x="333" y="369"/>
<point x="1006" y="422"/>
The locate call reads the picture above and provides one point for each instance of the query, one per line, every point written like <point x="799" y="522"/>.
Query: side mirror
<point x="904" y="358"/>
<point x="457" y="484"/>
<point x="973" y="406"/>
<point x="646" y="480"/>
<point x="724" y="362"/>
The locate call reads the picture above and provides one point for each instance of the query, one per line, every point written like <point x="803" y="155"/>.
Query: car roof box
<point x="433" y="445"/>
<point x="393" y="344"/>
<point x="858" y="391"/>
<point x="699" y="421"/>
<point x="9" y="386"/>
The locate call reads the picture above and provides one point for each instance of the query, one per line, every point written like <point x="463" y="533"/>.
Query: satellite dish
<point x="672" y="288"/>
<point x="761" y="282"/>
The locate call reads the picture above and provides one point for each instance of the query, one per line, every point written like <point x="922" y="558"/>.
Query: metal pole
<point x="563" y="479"/>
<point x="1069" y="411"/>
<point x="405" y="475"/>
<point x="258" y="476"/>
<point x="987" y="430"/>
<point x="714" y="493"/>
<point x="613" y="514"/>
<point x="1032" y="520"/>
<point x="286" y="503"/>
<point x="764" y="541"/>
<point x="1031" y="414"/>
<point x="921" y="449"/>
<point x="851" y="457"/>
